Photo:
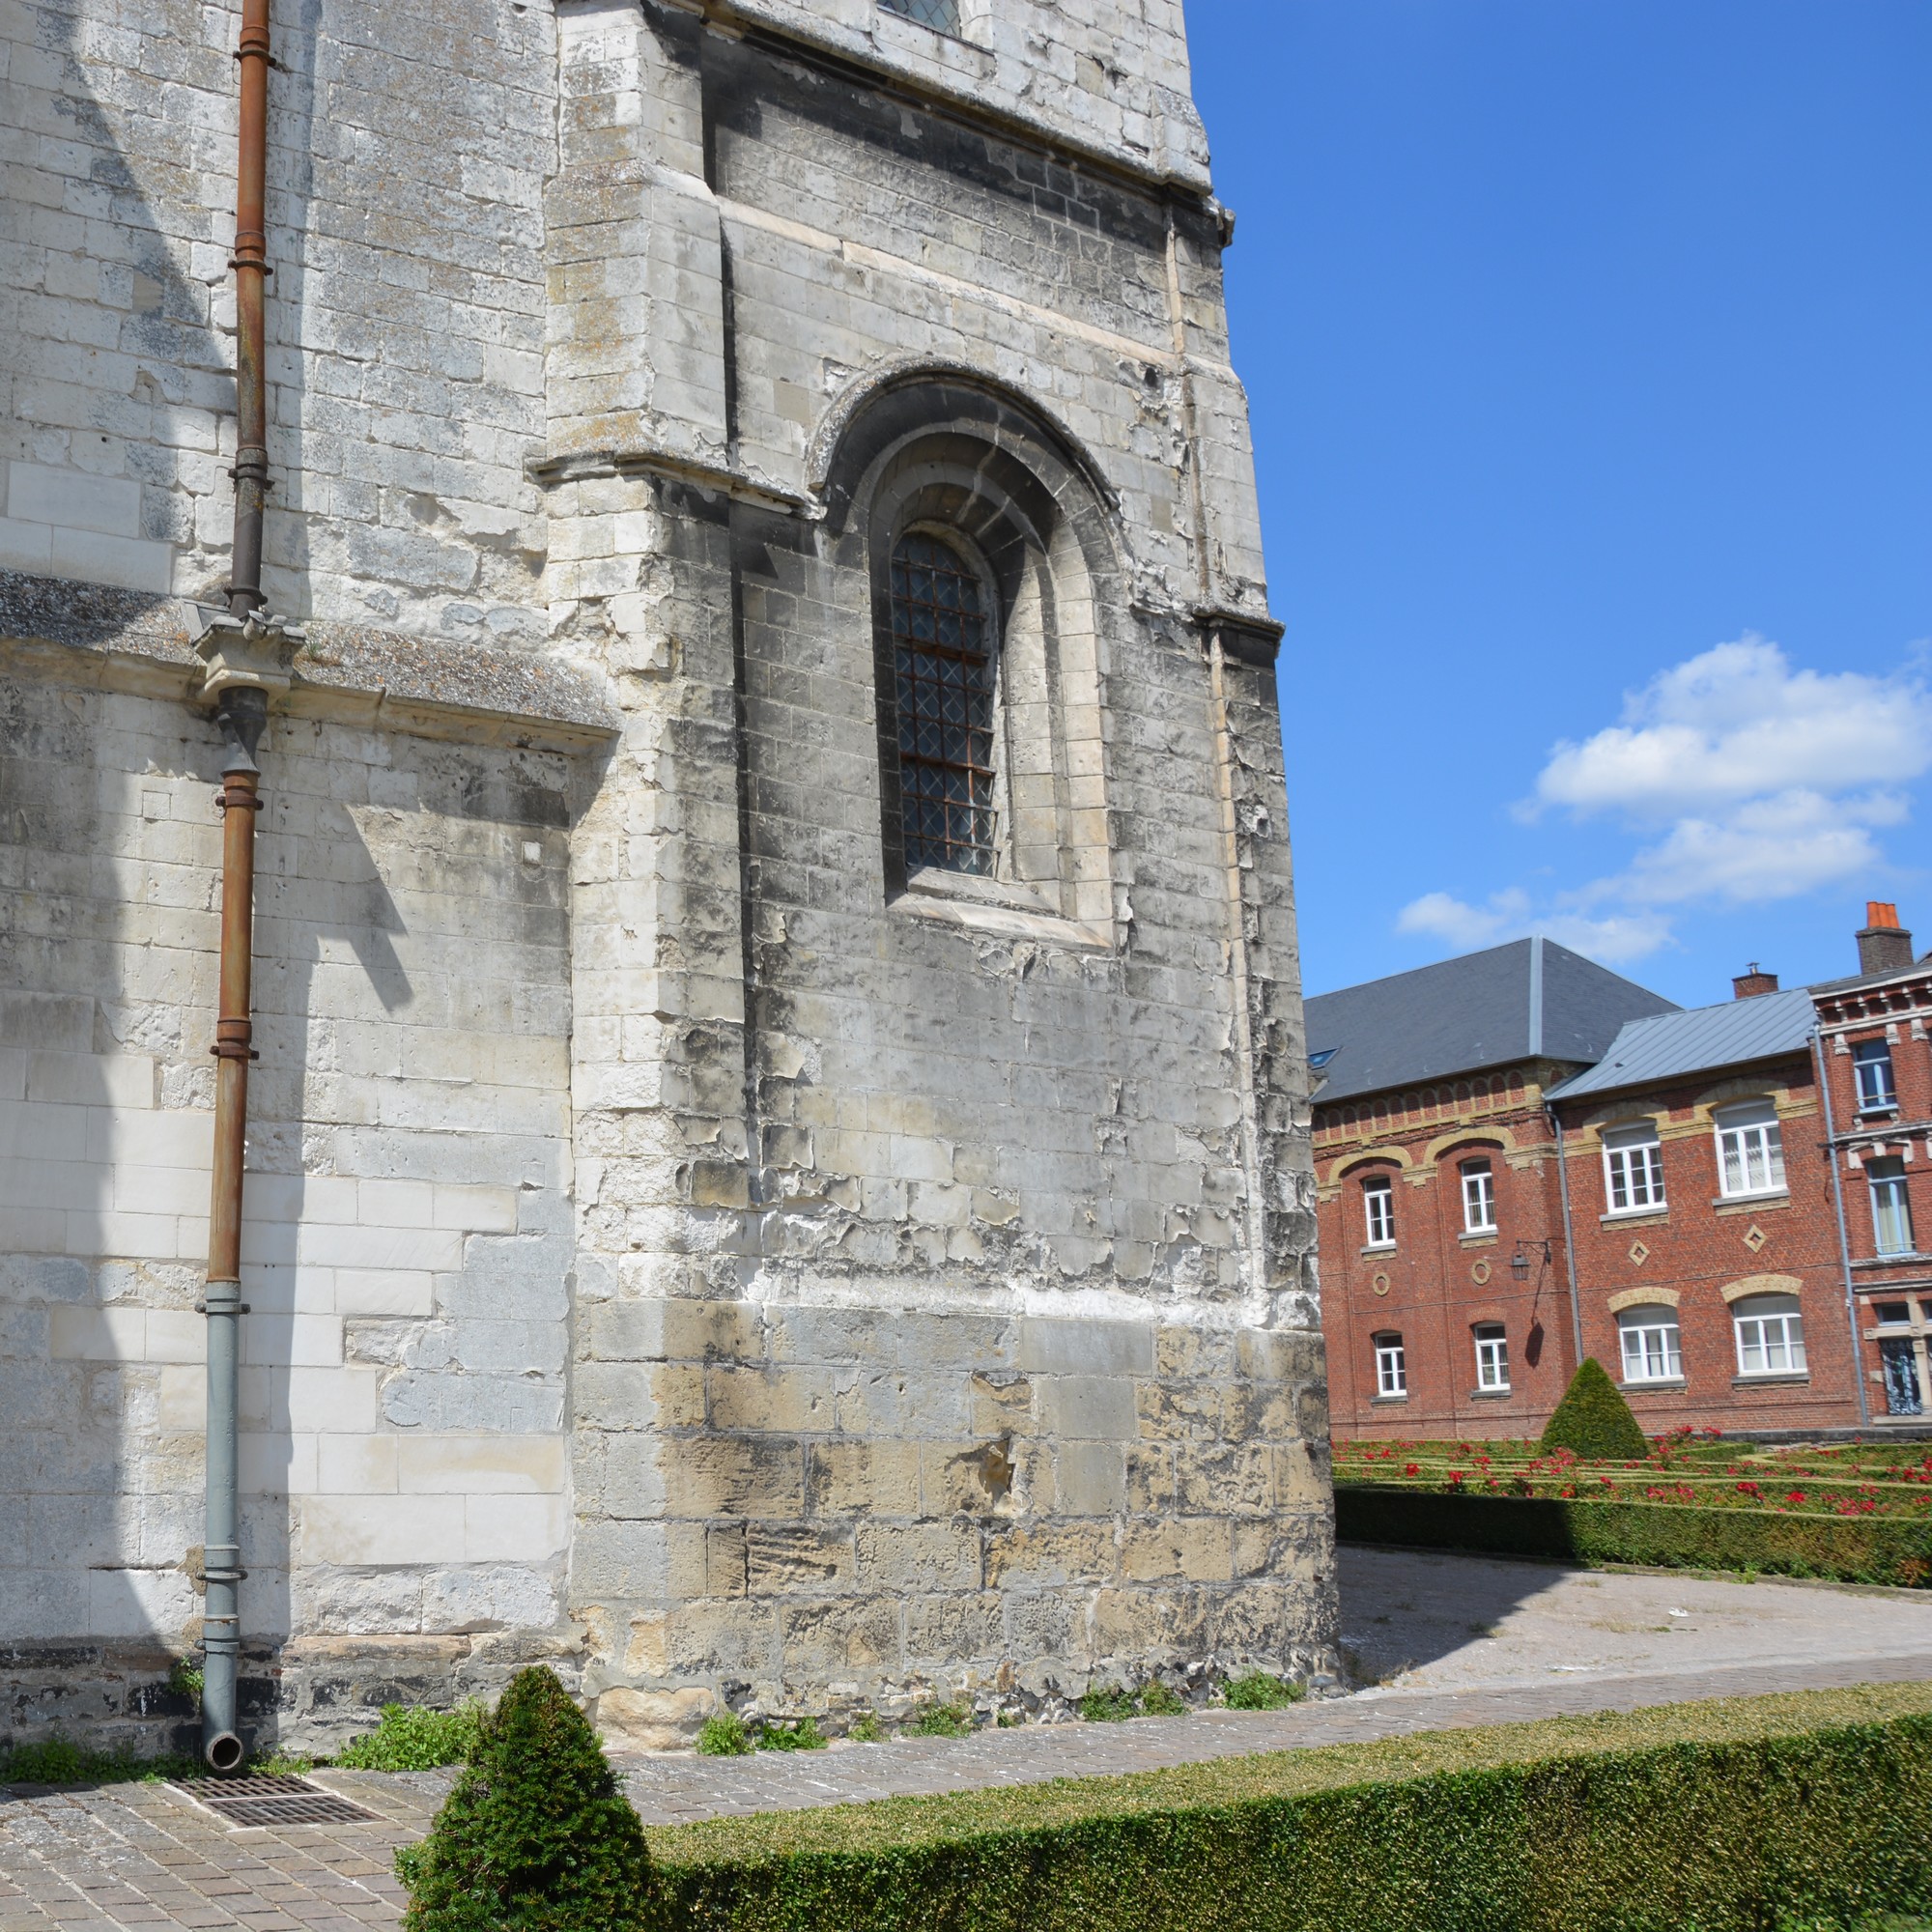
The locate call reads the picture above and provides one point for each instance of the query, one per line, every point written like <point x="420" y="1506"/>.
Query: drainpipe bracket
<point x="256" y="654"/>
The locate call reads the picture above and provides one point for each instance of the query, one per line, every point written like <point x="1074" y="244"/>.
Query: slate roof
<point x="1663" y="1048"/>
<point x="1530" y="999"/>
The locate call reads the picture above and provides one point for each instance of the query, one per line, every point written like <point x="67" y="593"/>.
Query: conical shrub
<point x="1593" y="1418"/>
<point x="536" y="1837"/>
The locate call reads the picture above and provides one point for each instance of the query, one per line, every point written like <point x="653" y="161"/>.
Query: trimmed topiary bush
<point x="536" y="1837"/>
<point x="1593" y="1418"/>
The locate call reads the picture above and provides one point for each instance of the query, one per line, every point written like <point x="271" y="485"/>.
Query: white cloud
<point x="1766" y="848"/>
<point x="1509" y="914"/>
<point x="1745" y="780"/>
<point x="1738" y="722"/>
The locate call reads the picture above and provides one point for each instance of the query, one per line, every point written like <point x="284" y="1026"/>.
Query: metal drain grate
<point x="272" y="1801"/>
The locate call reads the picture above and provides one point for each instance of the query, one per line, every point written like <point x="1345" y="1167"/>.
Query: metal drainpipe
<point x="251" y="272"/>
<point x="242" y="711"/>
<point x="1568" y="1233"/>
<point x="1844" y="1239"/>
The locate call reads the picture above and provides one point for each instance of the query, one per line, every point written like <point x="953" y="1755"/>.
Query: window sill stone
<point x="1635" y="1218"/>
<point x="1771" y="1380"/>
<point x="974" y="912"/>
<point x="1379" y="1248"/>
<point x="1491" y="1394"/>
<point x="1752" y="1204"/>
<point x="1387" y="1400"/>
<point x="1479" y="1237"/>
<point x="1663" y="1383"/>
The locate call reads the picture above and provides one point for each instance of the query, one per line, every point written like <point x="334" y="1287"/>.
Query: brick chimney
<point x="1752" y="982"/>
<point x="1884" y="945"/>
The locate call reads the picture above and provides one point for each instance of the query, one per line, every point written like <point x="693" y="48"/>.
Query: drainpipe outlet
<point x="257" y="654"/>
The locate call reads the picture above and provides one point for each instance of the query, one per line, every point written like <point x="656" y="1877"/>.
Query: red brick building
<point x="1443" y="1262"/>
<point x="1878" y="1063"/>
<point x="1524" y="1159"/>
<point x="1708" y="1275"/>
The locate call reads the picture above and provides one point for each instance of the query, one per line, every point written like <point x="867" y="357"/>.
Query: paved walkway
<point x="1496" y="1643"/>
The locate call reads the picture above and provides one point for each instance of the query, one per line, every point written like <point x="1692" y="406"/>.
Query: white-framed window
<point x="1493" y="1357"/>
<point x="1391" y="1366"/>
<point x="1750" y="1149"/>
<point x="1633" y="1168"/>
<point x="1892" y="1206"/>
<point x="1378" y="1210"/>
<point x="1652" y="1351"/>
<point x="1872" y="1068"/>
<point x="1770" y="1335"/>
<point x="1479" y="1197"/>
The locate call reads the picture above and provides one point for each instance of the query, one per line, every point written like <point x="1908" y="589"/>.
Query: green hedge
<point x="1719" y="1817"/>
<point x="1857" y="1549"/>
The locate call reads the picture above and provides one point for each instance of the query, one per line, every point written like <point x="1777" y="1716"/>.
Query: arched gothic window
<point x="943" y="656"/>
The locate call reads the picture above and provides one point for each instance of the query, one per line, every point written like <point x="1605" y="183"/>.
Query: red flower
<point x="1411" y="1468"/>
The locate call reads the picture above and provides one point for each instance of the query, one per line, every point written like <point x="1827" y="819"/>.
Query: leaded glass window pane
<point x="944" y="14"/>
<point x="944" y="663"/>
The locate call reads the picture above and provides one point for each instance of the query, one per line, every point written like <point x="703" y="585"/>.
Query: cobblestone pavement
<point x="140" y="1855"/>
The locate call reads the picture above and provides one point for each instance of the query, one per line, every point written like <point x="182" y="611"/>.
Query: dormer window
<point x="941" y="16"/>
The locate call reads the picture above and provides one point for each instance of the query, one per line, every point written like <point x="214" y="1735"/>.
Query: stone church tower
<point x="778" y="1164"/>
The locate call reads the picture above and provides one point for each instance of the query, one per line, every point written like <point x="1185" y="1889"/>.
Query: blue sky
<point x="1590" y="345"/>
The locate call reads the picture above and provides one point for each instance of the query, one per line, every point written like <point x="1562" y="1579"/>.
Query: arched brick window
<point x="943" y="657"/>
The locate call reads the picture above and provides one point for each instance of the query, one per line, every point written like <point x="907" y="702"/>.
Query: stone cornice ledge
<point x="644" y="459"/>
<point x="788" y="27"/>
<point x="1248" y="635"/>
<point x="134" y="640"/>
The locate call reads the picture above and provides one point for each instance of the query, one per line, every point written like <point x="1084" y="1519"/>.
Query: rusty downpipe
<point x="251" y="273"/>
<point x="237" y="660"/>
<point x="245" y="711"/>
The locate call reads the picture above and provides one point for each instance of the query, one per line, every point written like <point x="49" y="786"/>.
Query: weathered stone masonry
<point x="711" y="1257"/>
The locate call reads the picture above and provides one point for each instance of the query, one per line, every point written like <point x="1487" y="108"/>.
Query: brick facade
<point x="1884" y="1151"/>
<point x="1702" y="1253"/>
<point x="1694" y="1291"/>
<point x="1438" y="1280"/>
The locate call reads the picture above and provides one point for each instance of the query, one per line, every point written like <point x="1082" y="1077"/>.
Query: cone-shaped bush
<point x="1594" y="1419"/>
<point x="536" y="1837"/>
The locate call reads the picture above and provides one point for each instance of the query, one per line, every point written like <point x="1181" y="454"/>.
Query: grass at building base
<point x="1733" y="1816"/>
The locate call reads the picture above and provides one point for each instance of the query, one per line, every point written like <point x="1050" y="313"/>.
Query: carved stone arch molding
<point x="948" y="453"/>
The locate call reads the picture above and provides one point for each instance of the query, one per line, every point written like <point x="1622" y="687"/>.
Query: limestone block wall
<point x="407" y="1239"/>
<point x="408" y="156"/>
<point x="947" y="1307"/>
<point x="681" y="1242"/>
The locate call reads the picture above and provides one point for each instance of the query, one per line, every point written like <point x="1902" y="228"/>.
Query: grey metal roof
<point x="1527" y="999"/>
<point x="1671" y="1044"/>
